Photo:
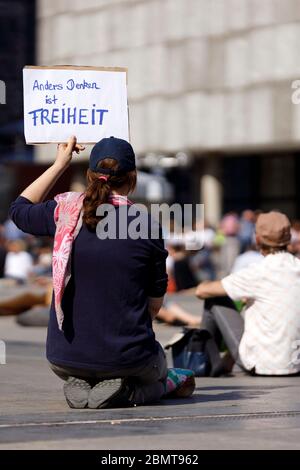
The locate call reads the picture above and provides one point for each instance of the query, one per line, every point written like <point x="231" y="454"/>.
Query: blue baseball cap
<point x="118" y="149"/>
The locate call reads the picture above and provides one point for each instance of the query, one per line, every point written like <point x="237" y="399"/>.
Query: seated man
<point x="266" y="343"/>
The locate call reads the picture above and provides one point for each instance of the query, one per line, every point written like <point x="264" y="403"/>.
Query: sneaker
<point x="77" y="392"/>
<point x="180" y="383"/>
<point x="186" y="389"/>
<point x="115" y="393"/>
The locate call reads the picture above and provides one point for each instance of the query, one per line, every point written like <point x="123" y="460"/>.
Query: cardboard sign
<point x="88" y="102"/>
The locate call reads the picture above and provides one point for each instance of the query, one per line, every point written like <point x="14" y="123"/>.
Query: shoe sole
<point x="74" y="397"/>
<point x="76" y="405"/>
<point x="103" y="392"/>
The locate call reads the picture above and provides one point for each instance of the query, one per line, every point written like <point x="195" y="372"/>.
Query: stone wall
<point x="204" y="75"/>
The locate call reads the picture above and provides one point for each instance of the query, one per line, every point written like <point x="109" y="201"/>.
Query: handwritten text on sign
<point x="89" y="103"/>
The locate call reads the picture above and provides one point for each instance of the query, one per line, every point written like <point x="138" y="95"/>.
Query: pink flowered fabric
<point x="68" y="219"/>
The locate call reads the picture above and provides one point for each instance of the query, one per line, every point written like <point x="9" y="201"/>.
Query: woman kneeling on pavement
<point x="106" y="290"/>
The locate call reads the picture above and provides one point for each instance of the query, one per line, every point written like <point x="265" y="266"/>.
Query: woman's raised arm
<point x="38" y="190"/>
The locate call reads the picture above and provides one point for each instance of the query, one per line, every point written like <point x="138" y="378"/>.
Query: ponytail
<point x="99" y="187"/>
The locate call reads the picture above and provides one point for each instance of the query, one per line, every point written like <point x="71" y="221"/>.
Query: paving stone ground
<point x="238" y="412"/>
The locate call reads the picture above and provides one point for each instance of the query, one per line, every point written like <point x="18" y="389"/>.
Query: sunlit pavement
<point x="237" y="412"/>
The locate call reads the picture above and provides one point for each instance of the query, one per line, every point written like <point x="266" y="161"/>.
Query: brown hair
<point x="272" y="250"/>
<point x="98" y="190"/>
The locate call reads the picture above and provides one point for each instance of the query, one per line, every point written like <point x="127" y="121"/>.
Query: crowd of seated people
<point x="226" y="248"/>
<point x="25" y="266"/>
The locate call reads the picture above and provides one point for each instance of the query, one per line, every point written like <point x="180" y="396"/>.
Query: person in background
<point x="267" y="343"/>
<point x="230" y="248"/>
<point x="12" y="232"/>
<point x="179" y="266"/>
<point x="250" y="255"/>
<point x="42" y="252"/>
<point x="173" y="314"/>
<point x="247" y="229"/>
<point x="202" y="265"/>
<point x="18" y="263"/>
<point x="209" y="235"/>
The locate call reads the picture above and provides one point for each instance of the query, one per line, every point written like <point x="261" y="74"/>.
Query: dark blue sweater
<point x="107" y="325"/>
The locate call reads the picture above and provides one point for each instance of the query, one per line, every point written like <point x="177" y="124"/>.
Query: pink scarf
<point x="68" y="219"/>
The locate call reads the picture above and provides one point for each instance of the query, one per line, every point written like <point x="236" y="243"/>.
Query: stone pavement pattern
<point x="237" y="412"/>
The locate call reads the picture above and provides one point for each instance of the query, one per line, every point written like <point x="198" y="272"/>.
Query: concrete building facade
<point x="211" y="78"/>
